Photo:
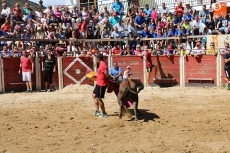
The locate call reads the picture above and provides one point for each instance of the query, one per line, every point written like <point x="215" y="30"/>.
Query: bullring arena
<point x="173" y="120"/>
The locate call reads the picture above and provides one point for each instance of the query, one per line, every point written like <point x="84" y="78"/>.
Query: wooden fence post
<point x="38" y="73"/>
<point x="182" y="70"/>
<point x="60" y="73"/>
<point x="219" y="70"/>
<point x="2" y="85"/>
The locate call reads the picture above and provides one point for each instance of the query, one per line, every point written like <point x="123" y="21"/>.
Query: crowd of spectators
<point x="55" y="25"/>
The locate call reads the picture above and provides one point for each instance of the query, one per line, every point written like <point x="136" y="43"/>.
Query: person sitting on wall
<point x="116" y="72"/>
<point x="127" y="73"/>
<point x="198" y="50"/>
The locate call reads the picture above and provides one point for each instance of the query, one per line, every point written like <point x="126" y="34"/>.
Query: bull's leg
<point x="120" y="114"/>
<point x="135" y="110"/>
<point x="138" y="112"/>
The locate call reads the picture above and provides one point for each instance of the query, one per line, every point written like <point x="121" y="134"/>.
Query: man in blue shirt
<point x="148" y="13"/>
<point x="31" y="16"/>
<point x="118" y="7"/>
<point x="139" y="21"/>
<point x="187" y="16"/>
<point x="115" y="72"/>
<point x="144" y="33"/>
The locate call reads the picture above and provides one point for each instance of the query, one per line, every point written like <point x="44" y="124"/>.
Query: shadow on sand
<point x="145" y="115"/>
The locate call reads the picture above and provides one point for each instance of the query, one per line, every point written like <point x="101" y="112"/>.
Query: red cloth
<point x="82" y="26"/>
<point x="101" y="78"/>
<point x="148" y="59"/>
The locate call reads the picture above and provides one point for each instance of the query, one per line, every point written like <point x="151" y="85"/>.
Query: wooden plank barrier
<point x="168" y="70"/>
<point x="13" y="80"/>
<point x="200" y="70"/>
<point x="135" y="62"/>
<point x="74" y="70"/>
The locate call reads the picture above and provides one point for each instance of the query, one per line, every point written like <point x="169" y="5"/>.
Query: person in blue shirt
<point x="144" y="33"/>
<point x="139" y="21"/>
<point x="187" y="16"/>
<point x="118" y="7"/>
<point x="148" y="13"/>
<point x="182" y="34"/>
<point x="31" y="16"/>
<point x="116" y="72"/>
<point x="152" y="24"/>
<point x="176" y="21"/>
<point x="114" y="19"/>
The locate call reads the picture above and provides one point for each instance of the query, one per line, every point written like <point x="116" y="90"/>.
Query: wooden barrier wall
<point x="167" y="68"/>
<point x="74" y="69"/>
<point x="135" y="62"/>
<point x="201" y="67"/>
<point x="12" y="79"/>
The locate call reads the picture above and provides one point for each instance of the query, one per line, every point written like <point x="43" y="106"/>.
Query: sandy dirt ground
<point x="174" y="120"/>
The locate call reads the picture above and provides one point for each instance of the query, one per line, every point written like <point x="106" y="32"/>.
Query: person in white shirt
<point x="198" y="51"/>
<point x="121" y="28"/>
<point x="127" y="73"/>
<point x="5" y="10"/>
<point x="195" y="25"/>
<point x="6" y="52"/>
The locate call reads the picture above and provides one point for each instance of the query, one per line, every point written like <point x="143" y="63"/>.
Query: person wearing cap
<point x="225" y="49"/>
<point x="116" y="72"/>
<point x="212" y="50"/>
<point x="49" y="67"/>
<point x="189" y="9"/>
<point x="113" y="20"/>
<point x="198" y="51"/>
<point x="100" y="88"/>
<point x="127" y="73"/>
<point x="26" y="68"/>
<point x="118" y="7"/>
<point x="227" y="67"/>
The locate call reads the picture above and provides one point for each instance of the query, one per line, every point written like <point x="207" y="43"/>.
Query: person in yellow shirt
<point x="212" y="50"/>
<point x="181" y="49"/>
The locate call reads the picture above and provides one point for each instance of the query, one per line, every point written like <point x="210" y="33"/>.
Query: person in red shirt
<point x="179" y="10"/>
<point x="116" y="50"/>
<point x="27" y="68"/>
<point x="149" y="65"/>
<point x="82" y="27"/>
<point x="100" y="88"/>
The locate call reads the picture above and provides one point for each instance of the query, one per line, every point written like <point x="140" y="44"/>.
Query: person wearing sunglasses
<point x="198" y="50"/>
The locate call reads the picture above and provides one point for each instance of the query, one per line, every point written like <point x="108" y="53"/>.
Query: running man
<point x="49" y="67"/>
<point x="100" y="88"/>
<point x="150" y="66"/>
<point x="26" y="68"/>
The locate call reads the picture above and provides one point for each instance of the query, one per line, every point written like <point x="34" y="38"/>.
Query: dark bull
<point x="127" y="91"/>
